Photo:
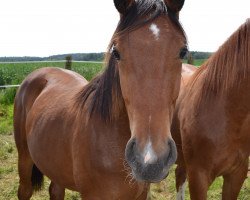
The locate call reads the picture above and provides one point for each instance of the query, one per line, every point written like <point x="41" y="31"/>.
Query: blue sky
<point x="49" y="27"/>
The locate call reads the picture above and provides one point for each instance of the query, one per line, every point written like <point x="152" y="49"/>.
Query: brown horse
<point x="211" y="125"/>
<point x="79" y="134"/>
<point x="186" y="73"/>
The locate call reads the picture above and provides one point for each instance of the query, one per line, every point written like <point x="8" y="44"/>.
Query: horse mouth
<point x="141" y="178"/>
<point x="151" y="173"/>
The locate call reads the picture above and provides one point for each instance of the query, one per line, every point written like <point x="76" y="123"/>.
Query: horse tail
<point x="36" y="178"/>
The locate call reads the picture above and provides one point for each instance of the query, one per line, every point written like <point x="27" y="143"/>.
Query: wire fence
<point x="8" y="86"/>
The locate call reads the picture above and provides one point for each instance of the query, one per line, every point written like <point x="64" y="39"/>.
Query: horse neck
<point x="116" y="132"/>
<point x="218" y="78"/>
<point x="235" y="99"/>
<point x="239" y="97"/>
<point x="122" y="123"/>
<point x="227" y="71"/>
<point x="116" y="122"/>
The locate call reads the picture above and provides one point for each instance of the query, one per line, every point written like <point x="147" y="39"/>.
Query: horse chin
<point x="141" y="177"/>
<point x="152" y="173"/>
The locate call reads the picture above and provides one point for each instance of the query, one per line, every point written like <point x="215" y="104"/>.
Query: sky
<point x="50" y="27"/>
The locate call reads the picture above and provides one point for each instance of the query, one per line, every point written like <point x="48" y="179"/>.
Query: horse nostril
<point x="172" y="152"/>
<point x="146" y="164"/>
<point x="130" y="150"/>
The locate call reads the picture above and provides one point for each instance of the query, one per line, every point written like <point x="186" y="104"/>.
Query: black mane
<point x="104" y="90"/>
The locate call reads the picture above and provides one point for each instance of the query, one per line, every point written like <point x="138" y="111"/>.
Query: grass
<point x="6" y="116"/>
<point x="9" y="175"/>
<point x="14" y="73"/>
<point x="197" y="62"/>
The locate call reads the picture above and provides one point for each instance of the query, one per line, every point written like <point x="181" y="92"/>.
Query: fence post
<point x="68" y="64"/>
<point x="190" y="59"/>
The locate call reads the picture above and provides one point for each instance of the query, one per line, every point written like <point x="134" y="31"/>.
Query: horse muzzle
<point x="146" y="165"/>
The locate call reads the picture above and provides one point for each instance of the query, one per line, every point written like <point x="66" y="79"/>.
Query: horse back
<point x="38" y="80"/>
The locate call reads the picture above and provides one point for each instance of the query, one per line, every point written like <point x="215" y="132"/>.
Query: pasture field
<point x="199" y="62"/>
<point x="14" y="74"/>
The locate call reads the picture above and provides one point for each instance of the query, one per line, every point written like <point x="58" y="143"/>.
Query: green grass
<point x="14" y="73"/>
<point x="6" y="119"/>
<point x="9" y="175"/>
<point x="197" y="62"/>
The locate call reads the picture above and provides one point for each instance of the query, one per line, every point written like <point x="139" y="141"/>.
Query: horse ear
<point x="122" y="5"/>
<point x="174" y="5"/>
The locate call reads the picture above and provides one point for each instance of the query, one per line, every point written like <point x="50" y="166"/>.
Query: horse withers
<point x="211" y="124"/>
<point x="91" y="137"/>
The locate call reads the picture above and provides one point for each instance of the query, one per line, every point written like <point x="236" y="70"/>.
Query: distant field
<point x="199" y="62"/>
<point x="14" y="74"/>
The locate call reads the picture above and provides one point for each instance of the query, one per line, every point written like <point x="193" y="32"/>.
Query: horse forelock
<point x="104" y="92"/>
<point x="227" y="67"/>
<point x="142" y="12"/>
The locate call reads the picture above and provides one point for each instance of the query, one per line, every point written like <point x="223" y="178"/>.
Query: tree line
<point x="75" y="56"/>
<point x="85" y="57"/>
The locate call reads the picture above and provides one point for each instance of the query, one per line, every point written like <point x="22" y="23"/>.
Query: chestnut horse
<point x="211" y="124"/>
<point x="81" y="134"/>
<point x="186" y="73"/>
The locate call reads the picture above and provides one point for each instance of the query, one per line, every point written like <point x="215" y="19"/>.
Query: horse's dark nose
<point x="146" y="165"/>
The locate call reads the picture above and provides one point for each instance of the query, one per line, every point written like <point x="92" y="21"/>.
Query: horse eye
<point x="183" y="52"/>
<point x="116" y="54"/>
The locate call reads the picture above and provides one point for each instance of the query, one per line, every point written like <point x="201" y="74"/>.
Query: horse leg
<point x="180" y="178"/>
<point x="56" y="192"/>
<point x="25" y="165"/>
<point x="233" y="182"/>
<point x="30" y="177"/>
<point x="198" y="183"/>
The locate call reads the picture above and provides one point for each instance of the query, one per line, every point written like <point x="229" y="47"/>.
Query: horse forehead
<point x="155" y="30"/>
<point x="160" y="24"/>
<point x="148" y="35"/>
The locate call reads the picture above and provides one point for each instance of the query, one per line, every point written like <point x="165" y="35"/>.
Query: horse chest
<point x="104" y="146"/>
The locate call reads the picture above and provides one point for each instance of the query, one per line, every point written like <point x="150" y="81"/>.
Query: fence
<point x="8" y="86"/>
